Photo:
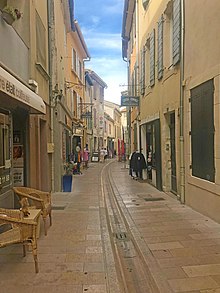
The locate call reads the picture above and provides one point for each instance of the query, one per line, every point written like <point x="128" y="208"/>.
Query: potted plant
<point x="67" y="177"/>
<point x="10" y="14"/>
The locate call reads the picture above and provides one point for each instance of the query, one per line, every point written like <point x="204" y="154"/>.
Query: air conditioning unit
<point x="145" y="3"/>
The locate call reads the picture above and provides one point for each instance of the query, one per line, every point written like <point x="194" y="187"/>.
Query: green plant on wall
<point x="10" y="10"/>
<point x="10" y="14"/>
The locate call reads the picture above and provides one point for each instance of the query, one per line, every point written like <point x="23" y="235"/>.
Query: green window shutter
<point x="160" y="48"/>
<point x="176" y="31"/>
<point x="152" y="58"/>
<point x="203" y="131"/>
<point x="142" y="71"/>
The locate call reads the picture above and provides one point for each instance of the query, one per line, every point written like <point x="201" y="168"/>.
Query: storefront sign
<point x="10" y="89"/>
<point x="17" y="90"/>
<point x="78" y="132"/>
<point x="129" y="101"/>
<point x="18" y="176"/>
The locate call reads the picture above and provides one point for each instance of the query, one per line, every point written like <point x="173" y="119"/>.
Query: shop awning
<point x="18" y="91"/>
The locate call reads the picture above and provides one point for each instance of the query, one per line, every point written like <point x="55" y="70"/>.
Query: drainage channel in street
<point x="132" y="272"/>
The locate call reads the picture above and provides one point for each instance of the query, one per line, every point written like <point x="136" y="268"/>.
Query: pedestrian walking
<point x="78" y="158"/>
<point x="86" y="156"/>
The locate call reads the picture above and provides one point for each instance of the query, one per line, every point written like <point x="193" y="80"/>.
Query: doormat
<point x="154" y="199"/>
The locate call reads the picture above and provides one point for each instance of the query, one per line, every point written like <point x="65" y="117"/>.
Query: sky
<point x="101" y="24"/>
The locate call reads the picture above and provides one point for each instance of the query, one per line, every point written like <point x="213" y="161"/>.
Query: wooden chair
<point x="15" y="229"/>
<point x="37" y="199"/>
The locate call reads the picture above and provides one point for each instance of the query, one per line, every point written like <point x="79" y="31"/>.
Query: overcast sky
<point x="101" y="25"/>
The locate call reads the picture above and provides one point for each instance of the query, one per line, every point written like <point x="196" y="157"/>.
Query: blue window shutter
<point x="160" y="48"/>
<point x="176" y="31"/>
<point x="152" y="58"/>
<point x="143" y="71"/>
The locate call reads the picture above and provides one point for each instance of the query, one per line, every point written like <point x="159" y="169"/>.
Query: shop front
<point x="17" y="103"/>
<point x="153" y="152"/>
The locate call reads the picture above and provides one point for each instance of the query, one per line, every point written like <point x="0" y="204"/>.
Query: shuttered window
<point x="41" y="42"/>
<point x="202" y="131"/>
<point x="160" y="48"/>
<point x="176" y="31"/>
<point x="142" y="71"/>
<point x="152" y="58"/>
<point x="74" y="59"/>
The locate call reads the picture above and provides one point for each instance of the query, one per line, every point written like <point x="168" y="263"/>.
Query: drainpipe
<point x="138" y="75"/>
<point x="50" y="11"/>
<point x="182" y="166"/>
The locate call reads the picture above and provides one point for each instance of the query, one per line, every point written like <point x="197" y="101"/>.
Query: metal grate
<point x="121" y="236"/>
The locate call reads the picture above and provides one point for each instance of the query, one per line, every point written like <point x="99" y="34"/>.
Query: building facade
<point x="61" y="24"/>
<point x="24" y="100"/>
<point x="154" y="30"/>
<point x="109" y="134"/>
<point x="77" y="54"/>
<point x="97" y="87"/>
<point x="178" y="88"/>
<point x="114" y="111"/>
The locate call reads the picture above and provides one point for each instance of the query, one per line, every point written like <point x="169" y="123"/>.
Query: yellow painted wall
<point x="202" y="63"/>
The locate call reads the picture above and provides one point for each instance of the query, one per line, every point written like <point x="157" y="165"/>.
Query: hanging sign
<point x="129" y="101"/>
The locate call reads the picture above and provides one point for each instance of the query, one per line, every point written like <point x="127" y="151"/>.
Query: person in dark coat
<point x="139" y="164"/>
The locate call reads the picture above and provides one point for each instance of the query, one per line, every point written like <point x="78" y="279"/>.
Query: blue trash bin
<point x="67" y="183"/>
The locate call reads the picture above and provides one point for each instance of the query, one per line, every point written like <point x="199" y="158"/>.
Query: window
<point x="143" y="71"/>
<point x="152" y="58"/>
<point x="95" y="117"/>
<point x="176" y="31"/>
<point x="101" y="94"/>
<point x="160" y="48"/>
<point x="40" y="42"/>
<point x="79" y="106"/>
<point x="4" y="141"/>
<point x="110" y="129"/>
<point x="145" y="3"/>
<point x="202" y="131"/>
<point x="80" y="70"/>
<point x="73" y="103"/>
<point x="168" y="35"/>
<point x="74" y="60"/>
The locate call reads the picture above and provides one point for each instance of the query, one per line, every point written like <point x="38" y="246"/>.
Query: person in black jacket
<point x="137" y="164"/>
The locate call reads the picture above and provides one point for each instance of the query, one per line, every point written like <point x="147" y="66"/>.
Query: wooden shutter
<point x="142" y="71"/>
<point x="152" y="58"/>
<point x="160" y="48"/>
<point x="202" y="131"/>
<point x="176" y="31"/>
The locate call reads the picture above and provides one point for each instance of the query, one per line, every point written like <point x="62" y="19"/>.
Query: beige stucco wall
<point x="202" y="51"/>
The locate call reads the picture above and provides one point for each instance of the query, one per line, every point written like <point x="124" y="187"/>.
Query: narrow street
<point x="115" y="234"/>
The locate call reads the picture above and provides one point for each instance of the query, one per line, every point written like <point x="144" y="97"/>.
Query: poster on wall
<point x="18" y="176"/>
<point x="18" y="155"/>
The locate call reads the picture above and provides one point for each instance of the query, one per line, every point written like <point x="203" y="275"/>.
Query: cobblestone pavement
<point x="184" y="245"/>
